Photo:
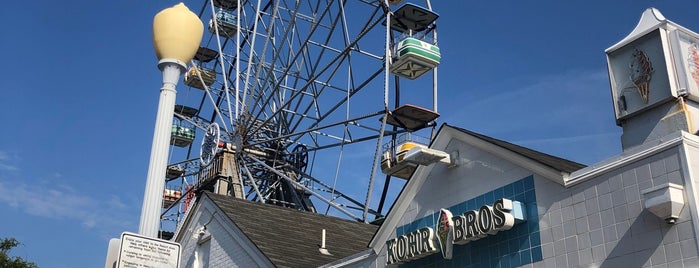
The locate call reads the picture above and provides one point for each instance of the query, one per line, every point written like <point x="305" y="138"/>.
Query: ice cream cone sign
<point x="641" y="73"/>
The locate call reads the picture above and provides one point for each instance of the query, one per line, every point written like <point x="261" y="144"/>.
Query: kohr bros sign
<point x="460" y="229"/>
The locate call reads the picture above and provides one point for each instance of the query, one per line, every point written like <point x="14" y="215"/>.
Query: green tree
<point x="6" y="244"/>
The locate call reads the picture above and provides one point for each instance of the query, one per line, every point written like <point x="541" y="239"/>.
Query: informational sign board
<point x="137" y="251"/>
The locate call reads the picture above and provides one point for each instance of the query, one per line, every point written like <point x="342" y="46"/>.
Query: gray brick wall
<point x="602" y="222"/>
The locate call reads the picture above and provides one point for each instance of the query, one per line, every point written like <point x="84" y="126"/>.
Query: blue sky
<point x="80" y="91"/>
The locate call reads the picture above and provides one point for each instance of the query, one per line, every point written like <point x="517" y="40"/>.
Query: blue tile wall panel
<point x="518" y="246"/>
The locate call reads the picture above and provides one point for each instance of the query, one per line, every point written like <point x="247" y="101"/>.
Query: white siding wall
<point x="228" y="247"/>
<point x="444" y="187"/>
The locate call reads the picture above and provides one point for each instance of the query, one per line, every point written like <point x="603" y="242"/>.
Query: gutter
<point x="625" y="158"/>
<point x="352" y="259"/>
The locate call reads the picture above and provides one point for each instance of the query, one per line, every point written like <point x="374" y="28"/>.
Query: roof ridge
<point x="555" y="162"/>
<point x="270" y="206"/>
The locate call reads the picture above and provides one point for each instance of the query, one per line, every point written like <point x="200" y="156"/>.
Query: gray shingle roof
<point x="545" y="159"/>
<point x="291" y="238"/>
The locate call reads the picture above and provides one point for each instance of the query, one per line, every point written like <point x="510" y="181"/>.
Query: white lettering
<point x="502" y="220"/>
<point x="410" y="246"/>
<point x="402" y="247"/>
<point x="459" y="230"/>
<point x="485" y="220"/>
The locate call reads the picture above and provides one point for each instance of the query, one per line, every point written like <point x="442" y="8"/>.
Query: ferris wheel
<point x="282" y="97"/>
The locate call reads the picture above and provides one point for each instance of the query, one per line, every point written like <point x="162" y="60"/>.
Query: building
<point x="230" y="232"/>
<point x="572" y="215"/>
<point x="496" y="204"/>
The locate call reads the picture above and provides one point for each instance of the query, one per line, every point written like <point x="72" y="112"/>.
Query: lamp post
<point x="177" y="33"/>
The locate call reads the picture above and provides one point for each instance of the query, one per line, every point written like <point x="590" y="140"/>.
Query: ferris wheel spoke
<point x="197" y="121"/>
<point x="336" y="193"/>
<point x="299" y="52"/>
<point x="366" y="138"/>
<point x="295" y="94"/>
<point x="316" y="92"/>
<point x="217" y="110"/>
<point x="296" y="135"/>
<point x="246" y="85"/>
<point x="339" y="103"/>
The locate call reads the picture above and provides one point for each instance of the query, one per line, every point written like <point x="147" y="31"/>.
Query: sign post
<point x="112" y="253"/>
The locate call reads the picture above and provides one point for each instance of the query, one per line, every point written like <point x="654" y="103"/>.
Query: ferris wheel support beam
<point x="237" y="64"/>
<point x="434" y="71"/>
<point x="387" y="181"/>
<point x="387" y="60"/>
<point x="253" y="183"/>
<point x="299" y="185"/>
<point x="374" y="167"/>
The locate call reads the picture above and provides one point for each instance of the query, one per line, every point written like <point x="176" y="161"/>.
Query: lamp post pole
<point x="177" y="33"/>
<point x="155" y="183"/>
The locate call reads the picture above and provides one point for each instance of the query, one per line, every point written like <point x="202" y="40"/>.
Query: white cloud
<point x="6" y="162"/>
<point x="548" y="98"/>
<point x="60" y="201"/>
<point x="116" y="203"/>
<point x="570" y="110"/>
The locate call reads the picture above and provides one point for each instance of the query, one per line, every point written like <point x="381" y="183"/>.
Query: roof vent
<point x="322" y="248"/>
